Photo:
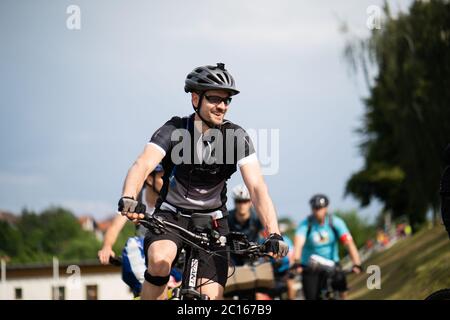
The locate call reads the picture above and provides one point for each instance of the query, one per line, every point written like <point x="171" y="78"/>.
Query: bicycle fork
<point x="189" y="287"/>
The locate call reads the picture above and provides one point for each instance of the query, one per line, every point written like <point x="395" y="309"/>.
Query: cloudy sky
<point x="77" y="106"/>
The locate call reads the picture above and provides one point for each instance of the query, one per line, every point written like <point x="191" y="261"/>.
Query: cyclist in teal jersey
<point x="320" y="234"/>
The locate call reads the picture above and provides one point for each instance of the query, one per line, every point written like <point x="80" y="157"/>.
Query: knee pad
<point x="157" y="281"/>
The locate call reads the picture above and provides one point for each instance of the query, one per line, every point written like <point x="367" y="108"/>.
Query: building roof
<point x="46" y="269"/>
<point x="8" y="217"/>
<point x="105" y="224"/>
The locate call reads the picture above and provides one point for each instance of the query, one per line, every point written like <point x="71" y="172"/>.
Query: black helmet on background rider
<point x="206" y="78"/>
<point x="319" y="201"/>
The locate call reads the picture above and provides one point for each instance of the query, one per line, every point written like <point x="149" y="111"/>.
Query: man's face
<point x="243" y="206"/>
<point x="157" y="181"/>
<point x="212" y="111"/>
<point x="320" y="213"/>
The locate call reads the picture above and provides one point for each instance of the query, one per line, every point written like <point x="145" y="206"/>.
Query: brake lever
<point x="153" y="223"/>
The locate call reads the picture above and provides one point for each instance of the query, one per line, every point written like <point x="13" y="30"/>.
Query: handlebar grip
<point x="115" y="261"/>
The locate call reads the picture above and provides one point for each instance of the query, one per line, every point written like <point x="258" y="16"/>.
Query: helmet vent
<point x="212" y="78"/>
<point x="226" y="76"/>
<point x="220" y="77"/>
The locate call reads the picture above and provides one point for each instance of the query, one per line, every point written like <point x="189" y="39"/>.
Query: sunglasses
<point x="216" y="100"/>
<point x="241" y="201"/>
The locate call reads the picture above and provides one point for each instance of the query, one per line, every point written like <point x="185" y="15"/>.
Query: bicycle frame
<point x="188" y="290"/>
<point x="189" y="285"/>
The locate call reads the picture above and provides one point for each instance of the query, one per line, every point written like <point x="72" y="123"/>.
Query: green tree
<point x="54" y="232"/>
<point x="10" y="240"/>
<point x="405" y="126"/>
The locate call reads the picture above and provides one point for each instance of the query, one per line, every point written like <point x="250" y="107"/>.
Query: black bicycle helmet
<point x="319" y="201"/>
<point x="210" y="78"/>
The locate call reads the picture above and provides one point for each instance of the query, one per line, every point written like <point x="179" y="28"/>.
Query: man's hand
<point x="356" y="269"/>
<point x="104" y="254"/>
<point x="298" y="266"/>
<point x="275" y="246"/>
<point x="132" y="209"/>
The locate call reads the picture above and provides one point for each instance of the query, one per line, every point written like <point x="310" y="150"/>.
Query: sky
<point x="78" y="106"/>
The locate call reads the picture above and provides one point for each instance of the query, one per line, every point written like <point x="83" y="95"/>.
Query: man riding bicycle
<point x="319" y="234"/>
<point x="199" y="154"/>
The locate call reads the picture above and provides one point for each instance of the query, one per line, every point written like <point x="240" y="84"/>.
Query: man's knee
<point x="161" y="255"/>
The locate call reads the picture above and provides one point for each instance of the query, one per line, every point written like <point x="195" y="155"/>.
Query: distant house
<point x="39" y="282"/>
<point x="104" y="225"/>
<point x="88" y="223"/>
<point x="8" y="217"/>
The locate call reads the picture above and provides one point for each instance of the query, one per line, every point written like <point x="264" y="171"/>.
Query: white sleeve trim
<point x="159" y="148"/>
<point x="247" y="159"/>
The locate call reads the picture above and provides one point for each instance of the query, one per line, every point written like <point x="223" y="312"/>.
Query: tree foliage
<point x="39" y="237"/>
<point x="406" y="123"/>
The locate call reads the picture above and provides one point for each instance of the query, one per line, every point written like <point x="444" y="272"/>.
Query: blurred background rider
<point x="243" y="219"/>
<point x="320" y="234"/>
<point x="133" y="258"/>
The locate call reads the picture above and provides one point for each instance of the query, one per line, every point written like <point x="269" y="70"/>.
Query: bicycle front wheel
<point x="443" y="294"/>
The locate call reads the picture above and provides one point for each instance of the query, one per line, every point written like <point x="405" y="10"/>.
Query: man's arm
<point x="354" y="254"/>
<point x="142" y="167"/>
<point x="254" y="181"/>
<point x="299" y="242"/>
<point x="110" y="238"/>
<point x="139" y="171"/>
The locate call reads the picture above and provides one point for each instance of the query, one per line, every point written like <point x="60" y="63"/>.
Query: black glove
<point x="276" y="245"/>
<point x="129" y="205"/>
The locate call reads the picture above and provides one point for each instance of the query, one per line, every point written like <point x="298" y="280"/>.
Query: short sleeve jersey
<point x="196" y="165"/>
<point x="321" y="239"/>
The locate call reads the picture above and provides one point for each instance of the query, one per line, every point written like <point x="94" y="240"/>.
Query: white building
<point x="85" y="281"/>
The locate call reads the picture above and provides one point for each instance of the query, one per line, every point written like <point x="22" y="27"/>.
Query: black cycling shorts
<point x="314" y="281"/>
<point x="214" y="268"/>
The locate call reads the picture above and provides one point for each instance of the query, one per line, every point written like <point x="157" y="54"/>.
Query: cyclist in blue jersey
<point x="320" y="234"/>
<point x="281" y="267"/>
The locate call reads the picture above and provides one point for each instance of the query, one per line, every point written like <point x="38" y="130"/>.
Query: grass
<point x="411" y="269"/>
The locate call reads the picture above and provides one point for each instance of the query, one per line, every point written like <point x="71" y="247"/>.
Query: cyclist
<point x="133" y="261"/>
<point x="445" y="191"/>
<point x="243" y="219"/>
<point x="320" y="234"/>
<point x="282" y="266"/>
<point x="199" y="154"/>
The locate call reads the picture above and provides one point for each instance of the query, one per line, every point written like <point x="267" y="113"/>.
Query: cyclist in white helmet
<point x="243" y="218"/>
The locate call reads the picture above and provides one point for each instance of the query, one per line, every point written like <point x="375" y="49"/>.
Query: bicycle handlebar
<point x="115" y="261"/>
<point x="204" y="240"/>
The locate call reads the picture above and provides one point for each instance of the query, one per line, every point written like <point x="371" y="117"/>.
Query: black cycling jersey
<point x="197" y="166"/>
